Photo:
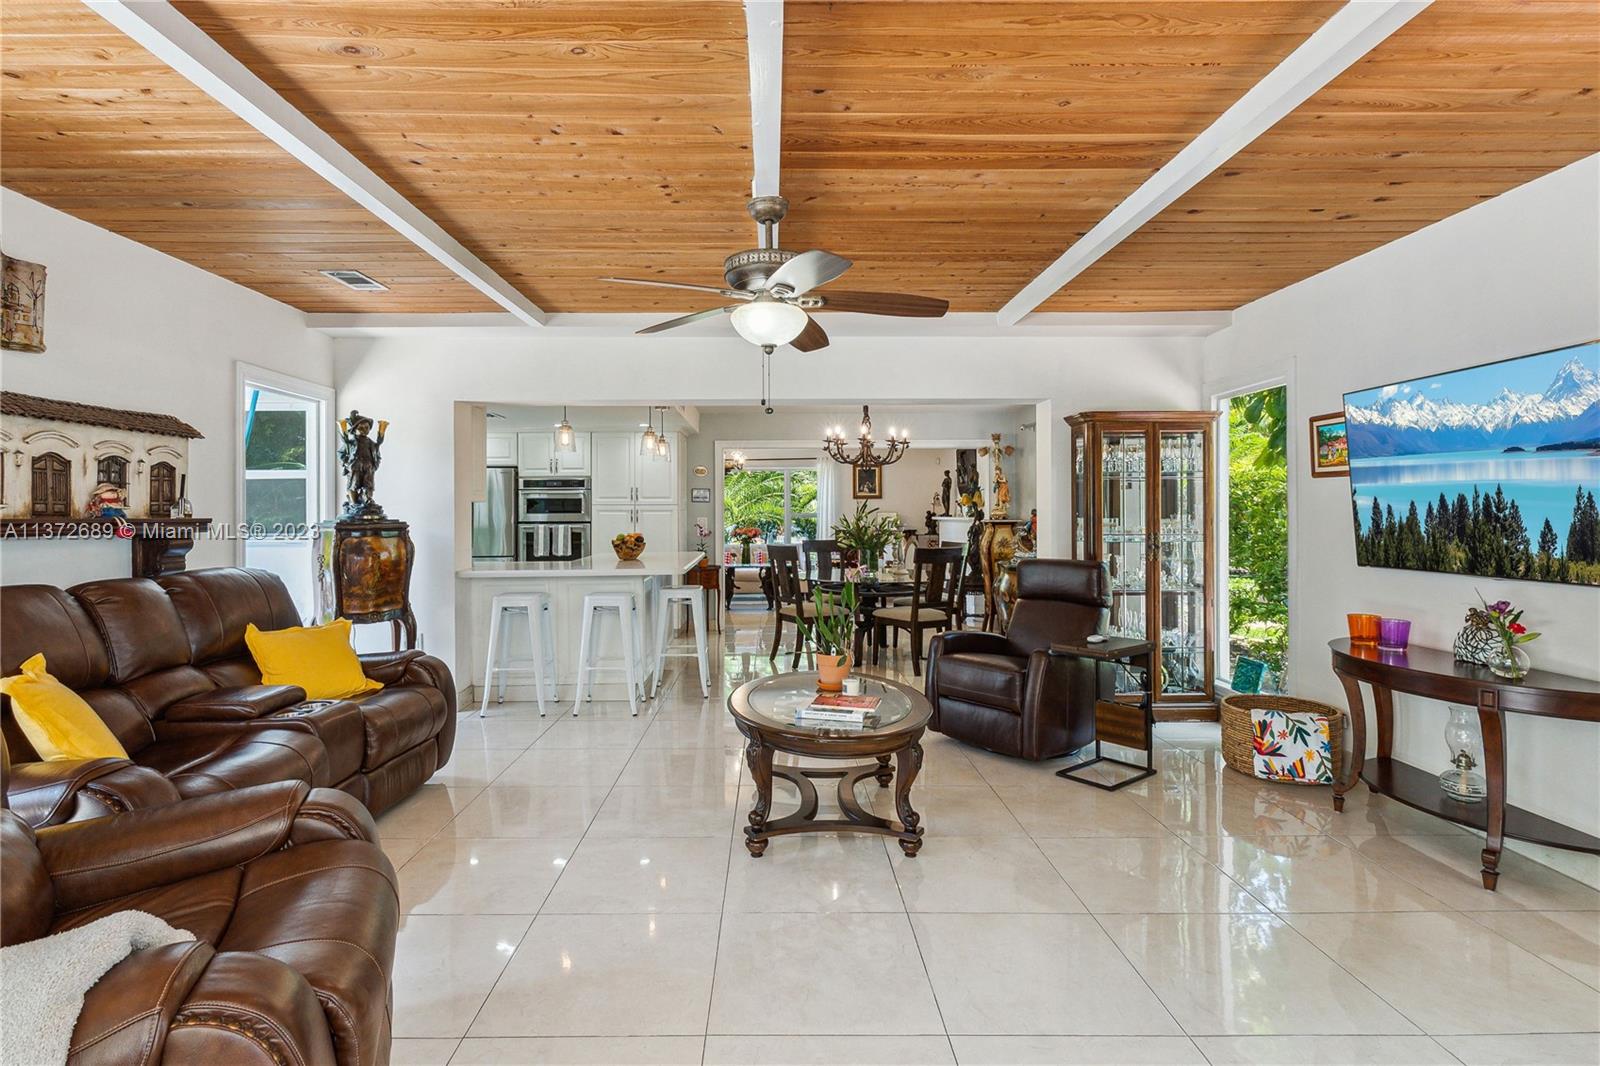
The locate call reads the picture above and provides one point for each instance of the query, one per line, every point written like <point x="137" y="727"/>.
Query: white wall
<point x="127" y="326"/>
<point x="414" y="381"/>
<point x="1514" y="275"/>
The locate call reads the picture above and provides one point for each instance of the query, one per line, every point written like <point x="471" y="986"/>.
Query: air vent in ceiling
<point x="355" y="280"/>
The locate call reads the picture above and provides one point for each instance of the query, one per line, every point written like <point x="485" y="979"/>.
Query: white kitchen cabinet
<point x="657" y="479"/>
<point x="605" y="522"/>
<point x="612" y="459"/>
<point x="537" y="454"/>
<point x="661" y="526"/>
<point x="501" y="449"/>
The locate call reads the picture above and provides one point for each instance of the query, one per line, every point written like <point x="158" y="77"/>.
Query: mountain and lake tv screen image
<point x="1491" y="470"/>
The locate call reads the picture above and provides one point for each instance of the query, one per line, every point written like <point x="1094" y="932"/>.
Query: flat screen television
<point x="1492" y="470"/>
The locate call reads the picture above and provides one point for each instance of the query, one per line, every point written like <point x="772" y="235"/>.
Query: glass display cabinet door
<point x="1124" y="527"/>
<point x="1181" y="556"/>
<point x="1080" y="497"/>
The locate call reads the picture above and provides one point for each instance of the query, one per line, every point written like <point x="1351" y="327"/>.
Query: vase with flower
<point x="832" y="631"/>
<point x="745" y="535"/>
<point x="1508" y="659"/>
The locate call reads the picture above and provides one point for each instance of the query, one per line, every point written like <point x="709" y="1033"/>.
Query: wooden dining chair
<point x="819" y="558"/>
<point x="935" y="601"/>
<point x="794" y="606"/>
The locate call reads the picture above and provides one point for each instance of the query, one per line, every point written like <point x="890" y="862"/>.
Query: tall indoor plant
<point x="868" y="533"/>
<point x="832" y="633"/>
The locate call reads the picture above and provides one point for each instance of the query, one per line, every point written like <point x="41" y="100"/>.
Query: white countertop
<point x="650" y="564"/>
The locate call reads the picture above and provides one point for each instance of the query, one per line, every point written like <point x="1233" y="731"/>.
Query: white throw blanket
<point x="43" y="982"/>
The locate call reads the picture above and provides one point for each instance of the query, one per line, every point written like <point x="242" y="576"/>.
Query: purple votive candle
<point x="1394" y="632"/>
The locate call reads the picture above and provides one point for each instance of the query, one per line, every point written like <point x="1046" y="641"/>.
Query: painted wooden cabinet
<point x="501" y="450"/>
<point x="619" y="474"/>
<point x="537" y="454"/>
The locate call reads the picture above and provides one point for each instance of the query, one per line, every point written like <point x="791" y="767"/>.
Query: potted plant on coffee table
<point x="832" y="633"/>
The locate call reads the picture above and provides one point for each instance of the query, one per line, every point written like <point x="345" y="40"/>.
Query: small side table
<point x="1131" y="732"/>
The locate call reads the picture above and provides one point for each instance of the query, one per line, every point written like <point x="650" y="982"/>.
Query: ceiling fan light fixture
<point x="766" y="320"/>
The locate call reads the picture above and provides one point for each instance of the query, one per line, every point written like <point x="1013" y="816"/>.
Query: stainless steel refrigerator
<point x="494" y="518"/>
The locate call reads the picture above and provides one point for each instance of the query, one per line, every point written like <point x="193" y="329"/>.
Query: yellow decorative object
<point x="318" y="659"/>
<point x="55" y="719"/>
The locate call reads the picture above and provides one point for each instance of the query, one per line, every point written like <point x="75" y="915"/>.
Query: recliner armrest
<point x="388" y="667"/>
<point x="966" y="641"/>
<point x="127" y="1013"/>
<point x="328" y="814"/>
<point x="104" y="858"/>
<point x="48" y="793"/>
<point x="244" y="703"/>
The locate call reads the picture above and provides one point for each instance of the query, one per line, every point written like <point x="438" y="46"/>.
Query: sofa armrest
<point x="244" y="703"/>
<point x="48" y="793"/>
<point x="388" y="667"/>
<point x="328" y="814"/>
<point x="127" y="1013"/>
<point x="964" y="641"/>
<point x="248" y="1009"/>
<point x="105" y="858"/>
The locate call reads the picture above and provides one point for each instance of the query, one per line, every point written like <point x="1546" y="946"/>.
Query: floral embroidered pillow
<point x="1292" y="746"/>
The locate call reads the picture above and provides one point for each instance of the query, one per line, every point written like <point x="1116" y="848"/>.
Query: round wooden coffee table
<point x="765" y="711"/>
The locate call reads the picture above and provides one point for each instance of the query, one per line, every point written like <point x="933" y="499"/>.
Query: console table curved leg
<point x="1491" y="720"/>
<point x="908" y="761"/>
<point x="1358" y="739"/>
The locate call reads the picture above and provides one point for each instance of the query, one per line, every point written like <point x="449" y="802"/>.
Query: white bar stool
<point x="541" y="642"/>
<point x="626" y="609"/>
<point x="693" y="597"/>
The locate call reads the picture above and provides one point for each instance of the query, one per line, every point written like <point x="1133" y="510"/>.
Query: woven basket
<point x="1239" y="739"/>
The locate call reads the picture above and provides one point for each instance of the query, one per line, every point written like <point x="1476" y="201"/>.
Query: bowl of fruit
<point x="628" y="546"/>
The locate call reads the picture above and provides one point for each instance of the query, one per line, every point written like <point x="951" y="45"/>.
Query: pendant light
<point x="647" y="442"/>
<point x="566" y="440"/>
<point x="663" y="448"/>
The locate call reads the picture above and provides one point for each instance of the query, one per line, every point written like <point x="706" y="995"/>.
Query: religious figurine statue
<point x="944" y="493"/>
<point x="359" y="455"/>
<point x="929" y="524"/>
<point x="1002" y="494"/>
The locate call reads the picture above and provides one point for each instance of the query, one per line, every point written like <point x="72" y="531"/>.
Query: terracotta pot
<point x="832" y="670"/>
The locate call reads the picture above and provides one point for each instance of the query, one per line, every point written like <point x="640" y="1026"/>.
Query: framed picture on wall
<point x="866" y="483"/>
<point x="1330" y="447"/>
<point x="699" y="495"/>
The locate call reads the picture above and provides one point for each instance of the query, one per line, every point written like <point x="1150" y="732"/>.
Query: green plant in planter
<point x="832" y="632"/>
<point x="868" y="532"/>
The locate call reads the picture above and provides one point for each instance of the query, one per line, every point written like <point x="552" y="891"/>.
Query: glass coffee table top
<point x="776" y="702"/>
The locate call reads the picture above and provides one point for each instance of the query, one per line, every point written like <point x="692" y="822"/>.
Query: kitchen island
<point x="567" y="582"/>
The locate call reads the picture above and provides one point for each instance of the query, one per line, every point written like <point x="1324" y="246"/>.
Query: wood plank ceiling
<point x="948" y="147"/>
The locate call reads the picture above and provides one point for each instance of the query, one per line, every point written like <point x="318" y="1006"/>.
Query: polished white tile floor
<point x="576" y="891"/>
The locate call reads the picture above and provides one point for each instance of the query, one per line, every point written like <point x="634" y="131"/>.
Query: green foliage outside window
<point x="1258" y="530"/>
<point x="277" y="441"/>
<point x="756" y="498"/>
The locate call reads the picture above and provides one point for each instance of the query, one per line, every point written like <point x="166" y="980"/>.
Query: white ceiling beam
<point x="1352" y="32"/>
<point x="184" y="47"/>
<point x="763" y="20"/>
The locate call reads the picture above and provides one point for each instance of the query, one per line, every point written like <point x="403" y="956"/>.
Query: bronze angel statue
<point x="359" y="455"/>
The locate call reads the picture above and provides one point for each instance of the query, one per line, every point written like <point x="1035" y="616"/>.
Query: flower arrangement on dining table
<point x="1506" y="620"/>
<point x="832" y="630"/>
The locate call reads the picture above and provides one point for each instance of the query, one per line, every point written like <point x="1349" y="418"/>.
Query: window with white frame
<point x="283" y="477"/>
<point x="779" y="497"/>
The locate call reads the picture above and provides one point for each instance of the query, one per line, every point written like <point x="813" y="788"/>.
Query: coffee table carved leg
<point x="759" y="758"/>
<point x="885" y="774"/>
<point x="1358" y="740"/>
<point x="908" y="761"/>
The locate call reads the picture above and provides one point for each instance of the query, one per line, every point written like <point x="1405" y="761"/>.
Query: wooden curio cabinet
<point x="1142" y="493"/>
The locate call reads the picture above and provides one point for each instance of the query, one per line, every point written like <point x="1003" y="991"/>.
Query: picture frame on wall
<point x="866" y="483"/>
<point x="699" y="495"/>
<point x="1330" y="446"/>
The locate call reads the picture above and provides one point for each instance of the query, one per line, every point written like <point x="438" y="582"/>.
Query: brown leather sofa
<point x="1008" y="693"/>
<point x="294" y="907"/>
<point x="164" y="664"/>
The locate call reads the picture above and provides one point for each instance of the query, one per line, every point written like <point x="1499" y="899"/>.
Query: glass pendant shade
<point x="566" y="440"/>
<point x="767" y="321"/>
<point x="647" y="442"/>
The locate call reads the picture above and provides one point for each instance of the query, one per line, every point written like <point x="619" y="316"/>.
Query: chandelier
<point x="866" y="452"/>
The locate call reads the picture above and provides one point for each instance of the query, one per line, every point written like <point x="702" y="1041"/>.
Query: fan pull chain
<point x="766" y="378"/>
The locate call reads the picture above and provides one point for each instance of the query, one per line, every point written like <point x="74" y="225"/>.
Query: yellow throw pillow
<point x="55" y="719"/>
<point x="317" y="658"/>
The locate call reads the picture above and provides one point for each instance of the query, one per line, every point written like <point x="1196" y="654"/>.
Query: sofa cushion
<point x="217" y="762"/>
<point x="214" y="607"/>
<point x="56" y="720"/>
<point x="398" y="719"/>
<point x="319" y="659"/>
<point x="990" y="680"/>
<point x="42" y="618"/>
<point x="137" y="623"/>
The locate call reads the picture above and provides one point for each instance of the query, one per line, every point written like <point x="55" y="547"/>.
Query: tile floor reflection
<point x="576" y="891"/>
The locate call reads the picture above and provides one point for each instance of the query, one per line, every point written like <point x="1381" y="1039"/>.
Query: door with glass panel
<point x="282" y="493"/>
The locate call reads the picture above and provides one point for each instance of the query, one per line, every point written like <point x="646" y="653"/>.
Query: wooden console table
<point x="1435" y="674"/>
<point x="159" y="544"/>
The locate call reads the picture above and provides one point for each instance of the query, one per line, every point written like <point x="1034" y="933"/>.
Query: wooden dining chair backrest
<point x="819" y="558"/>
<point x="786" y="573"/>
<point x="936" y="573"/>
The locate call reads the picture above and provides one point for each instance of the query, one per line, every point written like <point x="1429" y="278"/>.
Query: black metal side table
<point x="1128" y="730"/>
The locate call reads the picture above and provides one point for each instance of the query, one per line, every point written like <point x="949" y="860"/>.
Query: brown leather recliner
<point x="294" y="907"/>
<point x="164" y="664"/>
<point x="1008" y="693"/>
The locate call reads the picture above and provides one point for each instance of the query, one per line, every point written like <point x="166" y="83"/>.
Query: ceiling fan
<point x="775" y="289"/>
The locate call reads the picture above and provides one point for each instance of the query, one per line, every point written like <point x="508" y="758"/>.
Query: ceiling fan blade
<point x="884" y="303"/>
<point x="733" y="294"/>
<point x="812" y="337"/>
<point x="808" y="270"/>
<point x="684" y="320"/>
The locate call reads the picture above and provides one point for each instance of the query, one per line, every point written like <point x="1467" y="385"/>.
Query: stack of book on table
<point x="835" y="709"/>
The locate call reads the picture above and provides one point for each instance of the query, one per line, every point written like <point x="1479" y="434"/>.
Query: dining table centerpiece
<point x="868" y="533"/>
<point x="746" y="535"/>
